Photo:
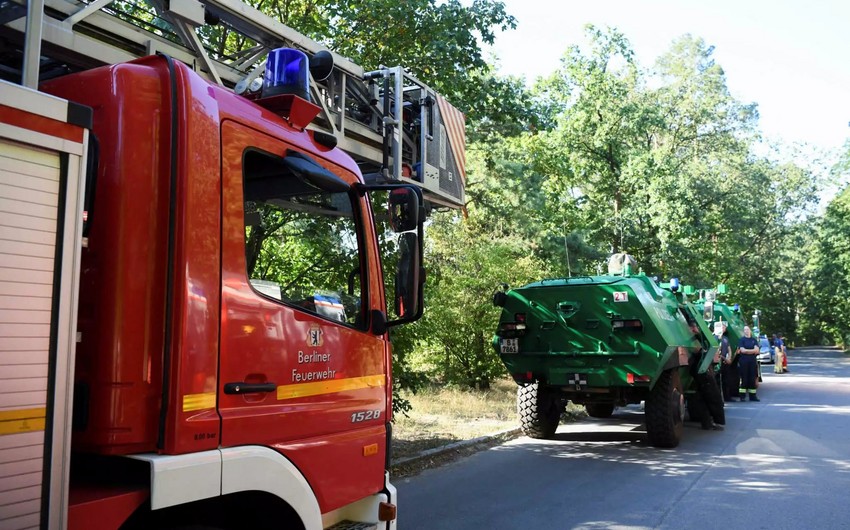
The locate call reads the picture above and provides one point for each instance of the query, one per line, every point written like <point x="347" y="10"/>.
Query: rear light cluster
<point x="513" y="329"/>
<point x="632" y="379"/>
<point x="627" y="323"/>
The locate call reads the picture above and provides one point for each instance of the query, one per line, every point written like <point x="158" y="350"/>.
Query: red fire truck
<point x="197" y="280"/>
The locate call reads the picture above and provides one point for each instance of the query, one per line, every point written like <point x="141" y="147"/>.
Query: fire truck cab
<point x="195" y="297"/>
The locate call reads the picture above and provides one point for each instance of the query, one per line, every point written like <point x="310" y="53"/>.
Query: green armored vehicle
<point x="716" y="312"/>
<point x="604" y="342"/>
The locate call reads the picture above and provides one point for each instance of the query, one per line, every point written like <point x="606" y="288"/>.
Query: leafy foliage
<point x="603" y="155"/>
<point x="464" y="269"/>
<point x="828" y="313"/>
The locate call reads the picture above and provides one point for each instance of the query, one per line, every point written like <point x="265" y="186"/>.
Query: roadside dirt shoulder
<point x="450" y="423"/>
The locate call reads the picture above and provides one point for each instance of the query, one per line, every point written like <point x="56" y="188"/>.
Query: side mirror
<point x="397" y="210"/>
<point x="404" y="209"/>
<point x="408" y="291"/>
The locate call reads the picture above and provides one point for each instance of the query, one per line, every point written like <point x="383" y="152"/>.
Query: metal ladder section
<point x="389" y="122"/>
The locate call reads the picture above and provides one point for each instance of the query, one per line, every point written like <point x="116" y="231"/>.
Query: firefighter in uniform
<point x="748" y="349"/>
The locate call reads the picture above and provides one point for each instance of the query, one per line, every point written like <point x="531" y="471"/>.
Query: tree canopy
<point x="604" y="154"/>
<point x="660" y="162"/>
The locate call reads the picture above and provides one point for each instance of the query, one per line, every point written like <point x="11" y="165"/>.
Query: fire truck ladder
<point x="393" y="125"/>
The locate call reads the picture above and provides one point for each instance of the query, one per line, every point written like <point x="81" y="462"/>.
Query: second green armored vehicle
<point x="604" y="342"/>
<point x="718" y="313"/>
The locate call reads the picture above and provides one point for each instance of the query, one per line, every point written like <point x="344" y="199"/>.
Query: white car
<point x="765" y="351"/>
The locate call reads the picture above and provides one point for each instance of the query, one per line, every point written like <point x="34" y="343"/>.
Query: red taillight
<point x="513" y="329"/>
<point x="632" y="379"/>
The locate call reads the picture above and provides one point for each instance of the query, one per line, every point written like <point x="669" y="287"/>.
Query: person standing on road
<point x="748" y="349"/>
<point x="728" y="368"/>
<point x="784" y="352"/>
<point x="779" y="359"/>
<point x="707" y="405"/>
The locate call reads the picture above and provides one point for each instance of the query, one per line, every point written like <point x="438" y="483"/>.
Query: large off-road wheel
<point x="599" y="410"/>
<point x="538" y="411"/>
<point x="696" y="409"/>
<point x="665" y="410"/>
<point x="712" y="396"/>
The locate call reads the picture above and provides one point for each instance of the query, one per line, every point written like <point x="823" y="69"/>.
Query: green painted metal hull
<point x="734" y="322"/>
<point x="579" y="337"/>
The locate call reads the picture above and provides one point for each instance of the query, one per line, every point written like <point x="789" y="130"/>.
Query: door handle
<point x="248" y="388"/>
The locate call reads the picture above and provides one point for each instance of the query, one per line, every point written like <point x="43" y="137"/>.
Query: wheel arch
<point x="257" y="468"/>
<point x="257" y="510"/>
<point x="183" y="483"/>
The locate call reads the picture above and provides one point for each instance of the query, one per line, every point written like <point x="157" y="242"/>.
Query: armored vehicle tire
<point x="698" y="410"/>
<point x="599" y="410"/>
<point x="539" y="413"/>
<point x="695" y="407"/>
<point x="713" y="397"/>
<point x="665" y="410"/>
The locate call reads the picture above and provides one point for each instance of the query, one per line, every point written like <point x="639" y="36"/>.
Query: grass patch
<point x="444" y="415"/>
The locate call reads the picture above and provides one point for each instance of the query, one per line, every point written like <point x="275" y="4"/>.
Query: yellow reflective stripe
<point x="192" y="402"/>
<point x="329" y="386"/>
<point x="22" y="420"/>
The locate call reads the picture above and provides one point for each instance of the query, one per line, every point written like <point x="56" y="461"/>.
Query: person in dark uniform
<point x="729" y="379"/>
<point x="706" y="406"/>
<point x="748" y="349"/>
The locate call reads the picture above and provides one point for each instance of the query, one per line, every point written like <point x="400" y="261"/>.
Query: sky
<point x="790" y="57"/>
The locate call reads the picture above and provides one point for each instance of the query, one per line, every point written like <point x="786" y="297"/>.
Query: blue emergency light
<point x="674" y="284"/>
<point x="736" y="308"/>
<point x="287" y="72"/>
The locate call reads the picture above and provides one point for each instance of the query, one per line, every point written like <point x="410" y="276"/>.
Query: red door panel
<point x="317" y="386"/>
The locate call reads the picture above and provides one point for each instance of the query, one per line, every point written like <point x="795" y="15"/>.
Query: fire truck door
<point x="299" y="371"/>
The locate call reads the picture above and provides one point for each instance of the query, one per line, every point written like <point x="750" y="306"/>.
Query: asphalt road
<point x="782" y="463"/>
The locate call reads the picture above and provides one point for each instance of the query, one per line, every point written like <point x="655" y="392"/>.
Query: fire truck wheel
<point x="539" y="413"/>
<point x="665" y="410"/>
<point x="600" y="410"/>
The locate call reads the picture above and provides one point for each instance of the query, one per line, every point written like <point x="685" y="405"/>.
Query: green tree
<point x="465" y="268"/>
<point x="827" y="314"/>
<point x="666" y="173"/>
<point x="601" y="120"/>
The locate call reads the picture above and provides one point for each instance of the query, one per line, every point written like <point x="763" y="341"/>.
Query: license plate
<point x="510" y="345"/>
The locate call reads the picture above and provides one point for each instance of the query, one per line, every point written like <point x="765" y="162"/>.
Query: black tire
<point x="712" y="396"/>
<point x="539" y="413"/>
<point x="600" y="410"/>
<point x="665" y="410"/>
<point x="197" y="527"/>
<point x="697" y="411"/>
